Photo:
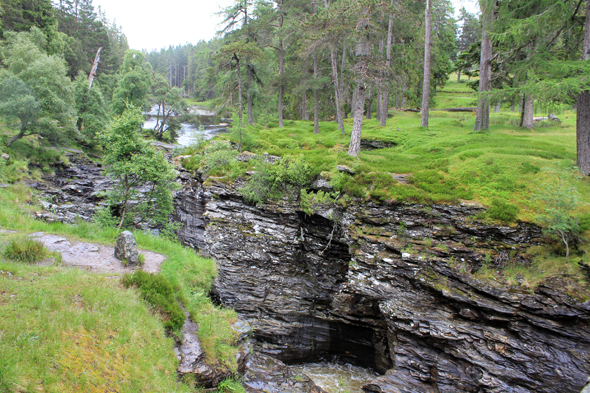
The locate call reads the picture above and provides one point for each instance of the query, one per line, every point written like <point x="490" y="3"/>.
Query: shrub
<point x="272" y="181"/>
<point x="158" y="292"/>
<point x="502" y="211"/>
<point x="561" y="198"/>
<point x="310" y="203"/>
<point x="26" y="250"/>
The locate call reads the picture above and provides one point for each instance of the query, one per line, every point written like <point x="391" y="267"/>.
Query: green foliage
<point x="502" y="211"/>
<point x="561" y="198"/>
<point x="91" y="110"/>
<point x="137" y="165"/>
<point x="158" y="292"/>
<point x="230" y="385"/>
<point x="25" y="249"/>
<point x="311" y="202"/>
<point x="134" y="83"/>
<point x="34" y="89"/>
<point x="272" y="181"/>
<point x="103" y="217"/>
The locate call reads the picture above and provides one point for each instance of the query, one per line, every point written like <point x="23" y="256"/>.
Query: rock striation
<point x="390" y="286"/>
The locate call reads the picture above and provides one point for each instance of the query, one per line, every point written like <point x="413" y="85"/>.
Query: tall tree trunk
<point x="583" y="109"/>
<point x="281" y="63"/>
<point x="385" y="99"/>
<point x="527" y="118"/>
<point x="304" y="113"/>
<point x="458" y="76"/>
<point x="482" y="118"/>
<point x="369" y="104"/>
<point x="379" y="103"/>
<point x="362" y="52"/>
<point x="427" y="48"/>
<point x="337" y="91"/>
<point x="240" y="104"/>
<point x="250" y="111"/>
<point x="316" y="97"/>
<point x="496" y="108"/>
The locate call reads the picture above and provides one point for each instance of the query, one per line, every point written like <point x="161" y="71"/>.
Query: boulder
<point x="126" y="248"/>
<point x="344" y="168"/>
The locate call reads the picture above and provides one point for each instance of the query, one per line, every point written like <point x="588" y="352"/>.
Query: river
<point x="190" y="134"/>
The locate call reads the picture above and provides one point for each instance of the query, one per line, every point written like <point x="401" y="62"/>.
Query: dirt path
<point x="95" y="258"/>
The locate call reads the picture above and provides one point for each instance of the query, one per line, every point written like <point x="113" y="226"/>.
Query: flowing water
<point x="336" y="377"/>
<point x="190" y="134"/>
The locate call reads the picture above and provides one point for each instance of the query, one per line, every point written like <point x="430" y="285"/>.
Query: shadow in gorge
<point x="329" y="324"/>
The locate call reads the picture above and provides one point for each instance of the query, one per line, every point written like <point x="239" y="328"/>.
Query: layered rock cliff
<point x="390" y="286"/>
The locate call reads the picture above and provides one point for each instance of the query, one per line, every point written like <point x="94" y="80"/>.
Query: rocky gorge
<point x="388" y="286"/>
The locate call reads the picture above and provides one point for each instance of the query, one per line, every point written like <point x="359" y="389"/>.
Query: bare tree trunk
<point x="357" y="126"/>
<point x="458" y="76"/>
<point x="240" y="104"/>
<point x="379" y="104"/>
<point x="94" y="68"/>
<point x="496" y="108"/>
<point x="250" y="111"/>
<point x="385" y="99"/>
<point x="426" y="84"/>
<point x="512" y="107"/>
<point x="363" y="50"/>
<point x="583" y="110"/>
<point x="304" y="113"/>
<point x="316" y="98"/>
<point x="369" y="104"/>
<point x="482" y="119"/>
<point x="281" y="64"/>
<point x="527" y="118"/>
<point x="21" y="133"/>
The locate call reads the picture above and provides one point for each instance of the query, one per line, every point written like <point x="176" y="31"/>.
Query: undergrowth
<point x="159" y="293"/>
<point x="25" y="249"/>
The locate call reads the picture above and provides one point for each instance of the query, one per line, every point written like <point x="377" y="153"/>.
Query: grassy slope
<point x="67" y="330"/>
<point x="448" y="161"/>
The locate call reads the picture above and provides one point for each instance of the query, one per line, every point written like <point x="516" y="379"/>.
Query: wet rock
<point x="265" y="374"/>
<point x="270" y="159"/>
<point x="387" y="286"/>
<point x="322" y="185"/>
<point x="246" y="156"/>
<point x="370" y="144"/>
<point x="126" y="248"/>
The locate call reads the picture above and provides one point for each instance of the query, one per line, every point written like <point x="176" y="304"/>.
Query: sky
<point x="152" y="24"/>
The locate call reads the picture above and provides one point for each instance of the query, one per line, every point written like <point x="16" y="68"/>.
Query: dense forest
<point x="298" y="60"/>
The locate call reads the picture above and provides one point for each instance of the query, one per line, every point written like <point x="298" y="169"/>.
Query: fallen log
<point x="461" y="109"/>
<point x="550" y="117"/>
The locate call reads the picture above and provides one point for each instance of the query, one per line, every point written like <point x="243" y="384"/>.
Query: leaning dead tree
<point x="94" y="67"/>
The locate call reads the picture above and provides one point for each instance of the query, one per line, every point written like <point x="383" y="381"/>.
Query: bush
<point x="272" y="181"/>
<point x="502" y="211"/>
<point x="310" y="203"/>
<point x="25" y="250"/>
<point x="157" y="291"/>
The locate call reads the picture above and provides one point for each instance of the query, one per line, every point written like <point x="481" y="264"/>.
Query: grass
<point x="503" y="169"/>
<point x="25" y="249"/>
<point x="447" y="161"/>
<point x="66" y="330"/>
<point x="82" y="319"/>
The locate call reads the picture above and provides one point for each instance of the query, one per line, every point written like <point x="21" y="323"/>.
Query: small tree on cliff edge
<point x="145" y="178"/>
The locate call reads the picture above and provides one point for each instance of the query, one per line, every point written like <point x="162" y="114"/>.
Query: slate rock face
<point x="126" y="248"/>
<point x="391" y="286"/>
